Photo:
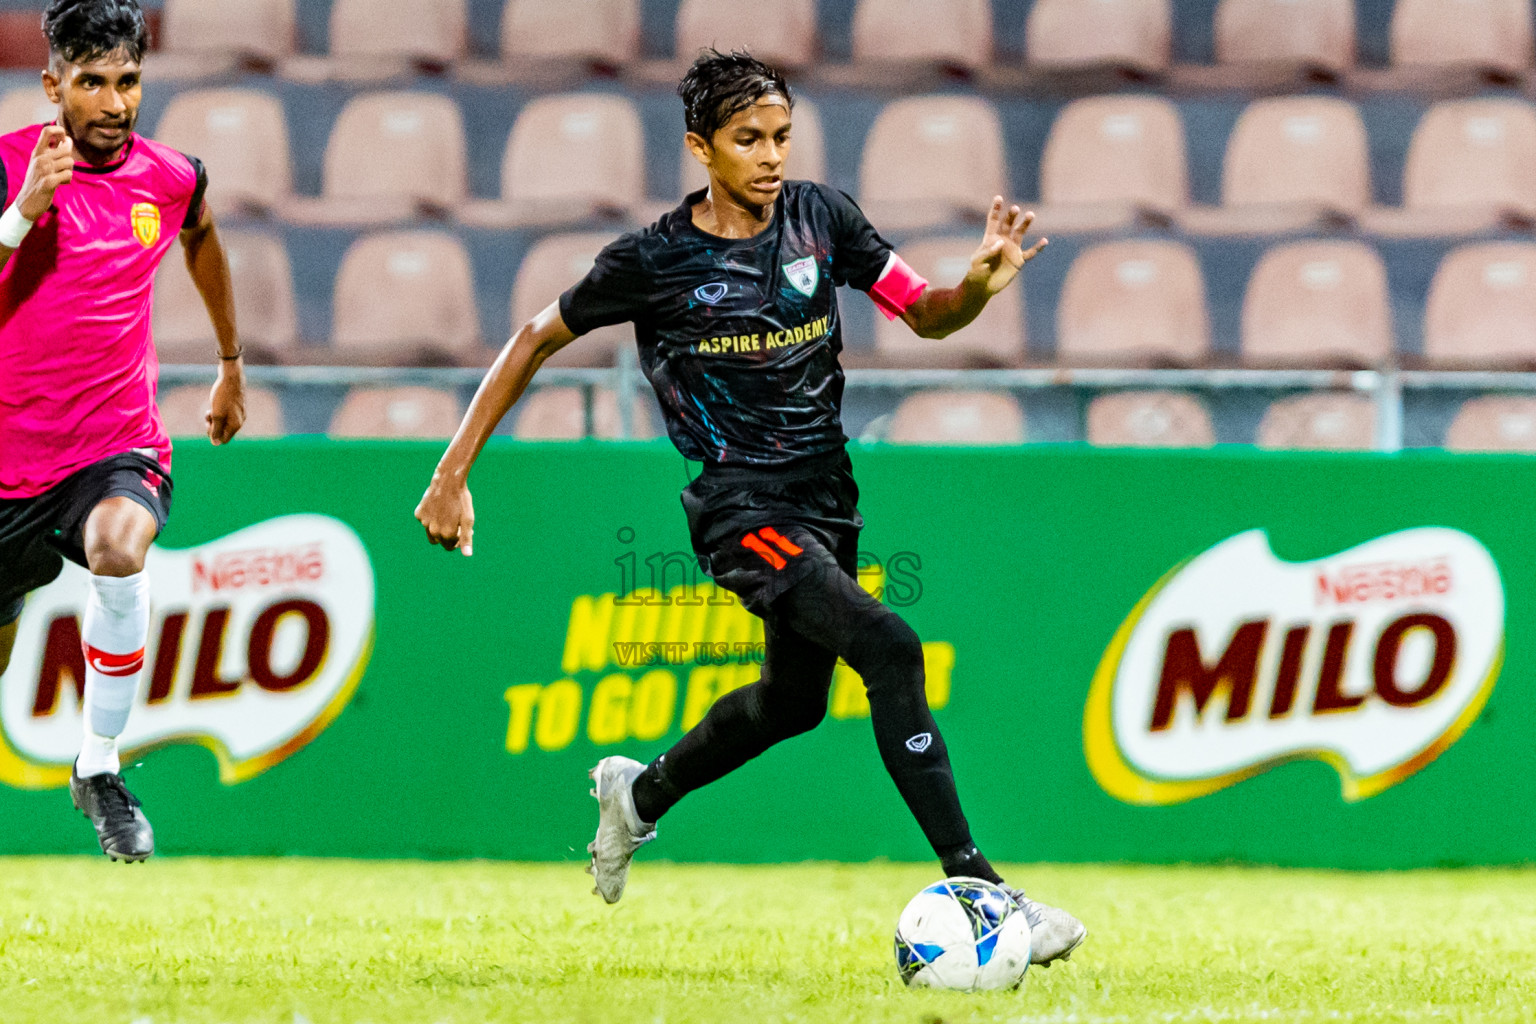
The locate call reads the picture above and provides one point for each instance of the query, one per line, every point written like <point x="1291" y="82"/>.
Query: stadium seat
<point x="1133" y="303"/>
<point x="1471" y="165"/>
<point x="957" y="417"/>
<point x="781" y="32"/>
<point x="397" y="413"/>
<point x="1314" y="34"/>
<point x="954" y="33"/>
<point x="1318" y="304"/>
<point x="431" y="32"/>
<point x="264" y="304"/>
<point x="263" y="30"/>
<point x="1494" y="423"/>
<point x="1484" y="35"/>
<point x="604" y="32"/>
<point x="1072" y="34"/>
<point x="994" y="339"/>
<point x="930" y="159"/>
<point x="560" y="414"/>
<point x="183" y="409"/>
<point x="407" y="297"/>
<point x="1149" y="419"/>
<point x="1108" y="158"/>
<point x="241" y="136"/>
<point x="1324" y="420"/>
<point x="22" y="44"/>
<point x="550" y="267"/>
<point x="549" y="173"/>
<point x="1482" y="308"/>
<point x="25" y="106"/>
<point x="1292" y="164"/>
<point x="391" y="156"/>
<point x="807" y="153"/>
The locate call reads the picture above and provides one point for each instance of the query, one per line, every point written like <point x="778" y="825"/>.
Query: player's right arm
<point x="446" y="510"/>
<point x="52" y="165"/>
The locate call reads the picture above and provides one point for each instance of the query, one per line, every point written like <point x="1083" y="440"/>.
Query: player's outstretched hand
<point x="1002" y="254"/>
<point x="448" y="513"/>
<point x="226" y="405"/>
<point x="53" y="164"/>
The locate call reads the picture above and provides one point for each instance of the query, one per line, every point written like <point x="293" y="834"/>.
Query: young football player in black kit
<point x="733" y="299"/>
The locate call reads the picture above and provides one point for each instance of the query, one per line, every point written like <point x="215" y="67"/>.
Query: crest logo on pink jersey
<point x="146" y="223"/>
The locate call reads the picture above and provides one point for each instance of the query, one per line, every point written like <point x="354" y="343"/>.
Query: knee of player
<point x="114" y="556"/>
<point x="888" y="644"/>
<point x="803" y="716"/>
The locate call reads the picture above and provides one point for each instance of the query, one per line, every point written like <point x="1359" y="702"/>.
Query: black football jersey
<point x="740" y="337"/>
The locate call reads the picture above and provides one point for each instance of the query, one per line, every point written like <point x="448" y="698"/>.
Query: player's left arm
<point x="208" y="264"/>
<point x="939" y="312"/>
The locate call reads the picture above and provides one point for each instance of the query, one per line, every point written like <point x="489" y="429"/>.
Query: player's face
<point x="98" y="102"/>
<point x="746" y="157"/>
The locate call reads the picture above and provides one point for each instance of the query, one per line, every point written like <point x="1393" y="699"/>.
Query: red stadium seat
<point x="807" y="151"/>
<point x="994" y="339"/>
<point x="781" y="32"/>
<point x="1492" y="35"/>
<point x="1324" y="420"/>
<point x="264" y="304"/>
<point x="1494" y="423"/>
<point x="241" y="135"/>
<point x="1071" y="34"/>
<point x="1108" y="157"/>
<point x="22" y="44"/>
<point x="1149" y="419"/>
<point x="929" y="159"/>
<point x="183" y="410"/>
<point x="950" y="32"/>
<point x="407" y="297"/>
<point x="430" y="31"/>
<point x="261" y="29"/>
<point x="1133" y="303"/>
<point x="560" y="414"/>
<point x="602" y="31"/>
<point x="397" y="413"/>
<point x="24" y="107"/>
<point x="957" y="417"/>
<point x="1318" y="304"/>
<point x="552" y="266"/>
<point x="1481" y="310"/>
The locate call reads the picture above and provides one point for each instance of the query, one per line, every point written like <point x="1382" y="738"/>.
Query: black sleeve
<point x="195" y="209"/>
<point x="859" y="254"/>
<point x="614" y="291"/>
<point x="5" y="187"/>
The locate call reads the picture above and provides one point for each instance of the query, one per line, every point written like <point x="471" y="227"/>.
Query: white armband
<point x="13" y="227"/>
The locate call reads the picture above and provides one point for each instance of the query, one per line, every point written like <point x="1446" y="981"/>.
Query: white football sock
<point x="116" y="629"/>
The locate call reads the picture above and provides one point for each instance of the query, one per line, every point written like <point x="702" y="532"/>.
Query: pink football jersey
<point x="78" y="372"/>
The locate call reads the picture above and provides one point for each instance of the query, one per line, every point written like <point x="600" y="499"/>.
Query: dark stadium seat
<point x="1314" y="34"/>
<point x="1072" y="34"/>
<point x="931" y="159"/>
<point x="264" y="30"/>
<point x="954" y="33"/>
<point x="1149" y="419"/>
<point x="1108" y="159"/>
<point x="22" y="44"/>
<point x="1318" y="304"/>
<point x="183" y="409"/>
<point x="1494" y="423"/>
<point x="807" y="153"/>
<point x="994" y="339"/>
<point x="1133" y="303"/>
<point x="241" y="135"/>
<point x="1484" y="35"/>
<point x="554" y="264"/>
<point x="1482" y="308"/>
<point x="604" y="32"/>
<point x="957" y="417"/>
<point x="1293" y="163"/>
<point x="782" y="32"/>
<point x="25" y="106"/>
<point x="560" y="414"/>
<point x="264" y="304"/>
<point x="397" y="413"/>
<point x="406" y="297"/>
<point x="391" y="156"/>
<point x="1323" y="420"/>
<point x="549" y="175"/>
<point x="434" y="32"/>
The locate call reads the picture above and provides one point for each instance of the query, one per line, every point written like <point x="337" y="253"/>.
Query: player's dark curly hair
<point x="721" y="85"/>
<point x="80" y="31"/>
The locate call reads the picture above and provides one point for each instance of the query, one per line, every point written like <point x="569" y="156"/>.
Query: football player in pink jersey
<point x="90" y="209"/>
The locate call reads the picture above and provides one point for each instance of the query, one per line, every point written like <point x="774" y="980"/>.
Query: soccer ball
<point x="962" y="934"/>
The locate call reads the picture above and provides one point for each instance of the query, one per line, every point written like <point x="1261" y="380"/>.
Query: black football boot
<point x="121" y="827"/>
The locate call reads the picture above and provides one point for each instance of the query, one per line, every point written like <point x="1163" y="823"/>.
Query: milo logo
<point x="1375" y="661"/>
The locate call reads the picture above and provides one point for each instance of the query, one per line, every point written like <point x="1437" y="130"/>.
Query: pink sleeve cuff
<point x="898" y="288"/>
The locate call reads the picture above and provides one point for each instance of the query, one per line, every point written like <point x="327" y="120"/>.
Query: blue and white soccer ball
<point x="962" y="934"/>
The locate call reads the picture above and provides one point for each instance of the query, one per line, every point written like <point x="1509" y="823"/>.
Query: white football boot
<point x="620" y="832"/>
<point x="1053" y="933"/>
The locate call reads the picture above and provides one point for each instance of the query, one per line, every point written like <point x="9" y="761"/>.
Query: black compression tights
<point x="813" y="623"/>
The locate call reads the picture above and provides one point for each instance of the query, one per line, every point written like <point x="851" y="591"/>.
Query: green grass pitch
<point x="344" y="942"/>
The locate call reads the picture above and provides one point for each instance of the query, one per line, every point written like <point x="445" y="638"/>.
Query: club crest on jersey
<point x="146" y="223"/>
<point x="711" y="293"/>
<point x="804" y="274"/>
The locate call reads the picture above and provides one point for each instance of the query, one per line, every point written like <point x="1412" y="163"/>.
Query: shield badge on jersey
<point x="146" y="223"/>
<point x="804" y="274"/>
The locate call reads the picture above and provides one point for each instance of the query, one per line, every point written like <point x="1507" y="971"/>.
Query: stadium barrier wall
<point x="1300" y="659"/>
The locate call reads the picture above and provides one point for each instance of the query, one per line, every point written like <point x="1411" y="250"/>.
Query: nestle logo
<point x="258" y="567"/>
<point x="1384" y="581"/>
